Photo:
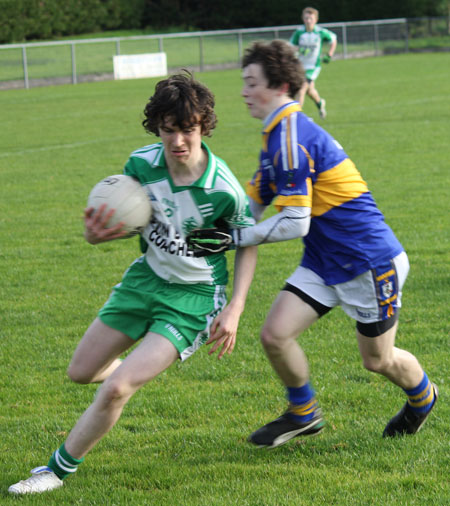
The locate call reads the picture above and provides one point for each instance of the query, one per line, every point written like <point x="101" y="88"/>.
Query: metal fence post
<point x="344" y="40"/>
<point x="118" y="47"/>
<point x="406" y="37"/>
<point x="375" y="34"/>
<point x="25" y="67"/>
<point x="160" y="45"/>
<point x="200" y="44"/>
<point x="74" y="64"/>
<point x="239" y="35"/>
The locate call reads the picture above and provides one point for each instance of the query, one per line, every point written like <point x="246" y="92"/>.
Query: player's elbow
<point x="304" y="227"/>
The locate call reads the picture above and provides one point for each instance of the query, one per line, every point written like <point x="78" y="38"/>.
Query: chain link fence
<point x="73" y="61"/>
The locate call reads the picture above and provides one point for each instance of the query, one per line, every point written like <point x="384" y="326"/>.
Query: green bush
<point x="46" y="19"/>
<point x="22" y="20"/>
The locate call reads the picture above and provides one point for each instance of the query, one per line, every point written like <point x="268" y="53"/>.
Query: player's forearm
<point x="290" y="223"/>
<point x="332" y="48"/>
<point x="244" y="269"/>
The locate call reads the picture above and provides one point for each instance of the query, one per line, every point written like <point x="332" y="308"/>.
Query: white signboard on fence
<point x="133" y="66"/>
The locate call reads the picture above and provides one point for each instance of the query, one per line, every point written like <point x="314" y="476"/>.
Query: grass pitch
<point x="182" y="438"/>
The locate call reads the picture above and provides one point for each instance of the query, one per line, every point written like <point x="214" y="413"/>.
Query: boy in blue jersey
<point x="351" y="256"/>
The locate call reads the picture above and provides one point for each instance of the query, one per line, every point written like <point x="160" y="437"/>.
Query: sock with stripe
<point x="62" y="463"/>
<point x="302" y="403"/>
<point x="421" y="398"/>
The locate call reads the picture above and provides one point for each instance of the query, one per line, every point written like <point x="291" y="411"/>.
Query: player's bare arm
<point x="225" y="326"/>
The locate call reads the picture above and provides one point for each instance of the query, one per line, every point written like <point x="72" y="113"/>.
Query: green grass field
<point x="182" y="438"/>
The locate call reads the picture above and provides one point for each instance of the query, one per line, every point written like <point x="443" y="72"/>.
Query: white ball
<point x="127" y="197"/>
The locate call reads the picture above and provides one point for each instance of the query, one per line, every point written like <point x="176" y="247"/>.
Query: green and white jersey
<point x="310" y="44"/>
<point x="177" y="210"/>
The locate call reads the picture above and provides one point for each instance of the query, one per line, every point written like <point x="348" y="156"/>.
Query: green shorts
<point x="143" y="302"/>
<point x="313" y="74"/>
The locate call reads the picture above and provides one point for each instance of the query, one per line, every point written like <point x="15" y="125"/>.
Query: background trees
<point x="45" y="19"/>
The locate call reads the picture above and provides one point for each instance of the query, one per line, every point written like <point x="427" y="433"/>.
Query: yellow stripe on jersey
<point x="337" y="186"/>
<point x="253" y="189"/>
<point x="308" y="156"/>
<point x="276" y="157"/>
<point x="289" y="145"/>
<point x="294" y="107"/>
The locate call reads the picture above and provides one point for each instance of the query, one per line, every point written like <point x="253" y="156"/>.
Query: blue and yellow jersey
<point x="302" y="165"/>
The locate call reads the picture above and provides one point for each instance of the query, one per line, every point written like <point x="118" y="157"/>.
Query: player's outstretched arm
<point x="95" y="230"/>
<point x="224" y="328"/>
<point x="291" y="223"/>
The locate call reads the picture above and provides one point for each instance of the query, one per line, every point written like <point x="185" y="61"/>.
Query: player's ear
<point x="284" y="88"/>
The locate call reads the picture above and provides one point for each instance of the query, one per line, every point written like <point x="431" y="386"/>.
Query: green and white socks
<point x="63" y="464"/>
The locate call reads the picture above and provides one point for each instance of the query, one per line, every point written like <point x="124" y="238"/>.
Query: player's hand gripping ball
<point x="128" y="198"/>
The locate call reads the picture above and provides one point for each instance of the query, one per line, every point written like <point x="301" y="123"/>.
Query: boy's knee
<point x="79" y="375"/>
<point x="114" y="393"/>
<point x="271" y="340"/>
<point x="377" y="364"/>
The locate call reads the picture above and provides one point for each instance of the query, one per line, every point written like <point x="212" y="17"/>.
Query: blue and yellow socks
<point x="421" y="398"/>
<point x="63" y="464"/>
<point x="302" y="403"/>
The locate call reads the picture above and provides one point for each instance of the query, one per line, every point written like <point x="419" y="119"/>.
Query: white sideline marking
<point x="61" y="146"/>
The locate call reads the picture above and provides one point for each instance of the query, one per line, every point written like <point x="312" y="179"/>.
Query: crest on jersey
<point x="189" y="224"/>
<point x="388" y="289"/>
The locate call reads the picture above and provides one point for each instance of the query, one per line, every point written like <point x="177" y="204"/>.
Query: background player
<point x="168" y="301"/>
<point x="351" y="256"/>
<point x="309" y="39"/>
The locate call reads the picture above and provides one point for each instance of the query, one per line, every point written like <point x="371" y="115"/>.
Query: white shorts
<point x="371" y="297"/>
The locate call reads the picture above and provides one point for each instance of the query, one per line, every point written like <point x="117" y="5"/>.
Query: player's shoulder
<point x="325" y="32"/>
<point x="312" y="133"/>
<point x="298" y="31"/>
<point x="150" y="153"/>
<point x="146" y="163"/>
<point x="223" y="178"/>
<point x="225" y="175"/>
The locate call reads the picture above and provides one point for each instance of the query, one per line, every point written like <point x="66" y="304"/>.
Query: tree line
<point x="22" y="20"/>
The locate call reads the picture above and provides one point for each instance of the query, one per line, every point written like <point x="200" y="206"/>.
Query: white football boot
<point x="42" y="479"/>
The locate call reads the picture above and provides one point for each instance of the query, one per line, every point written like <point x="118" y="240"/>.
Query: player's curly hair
<point x="183" y="99"/>
<point x="279" y="62"/>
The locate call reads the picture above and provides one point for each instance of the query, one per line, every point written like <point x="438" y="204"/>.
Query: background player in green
<point x="309" y="39"/>
<point x="168" y="300"/>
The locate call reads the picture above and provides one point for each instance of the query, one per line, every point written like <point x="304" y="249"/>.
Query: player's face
<point x="258" y="97"/>
<point x="309" y="20"/>
<point x="182" y="146"/>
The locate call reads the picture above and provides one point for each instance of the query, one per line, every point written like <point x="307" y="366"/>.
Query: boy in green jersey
<point x="169" y="301"/>
<point x="309" y="39"/>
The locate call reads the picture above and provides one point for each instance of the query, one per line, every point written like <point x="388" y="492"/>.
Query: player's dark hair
<point x="279" y="62"/>
<point x="182" y="99"/>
